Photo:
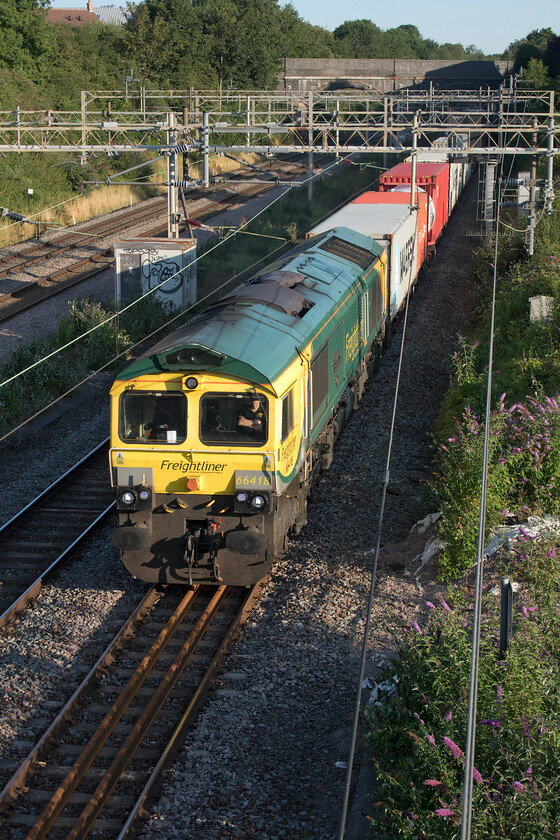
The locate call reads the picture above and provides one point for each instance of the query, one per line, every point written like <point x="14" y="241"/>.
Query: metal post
<point x="488" y="215"/>
<point x="385" y="125"/>
<point x="143" y="101"/>
<point x="18" y="121"/>
<point x="549" y="183"/>
<point x="248" y="135"/>
<point x="84" y="131"/>
<point x="506" y="615"/>
<point x="414" y="168"/>
<point x="310" y="153"/>
<point x="172" y="178"/>
<point x="532" y="220"/>
<point x="205" y="150"/>
<point x="337" y="131"/>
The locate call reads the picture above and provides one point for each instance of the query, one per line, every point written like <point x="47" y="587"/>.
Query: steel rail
<point x="54" y="485"/>
<point x="18" y="780"/>
<point x="34" y="588"/>
<point x="118" y="766"/>
<point x="156" y="777"/>
<point x="62" y="794"/>
<point x="16" y="522"/>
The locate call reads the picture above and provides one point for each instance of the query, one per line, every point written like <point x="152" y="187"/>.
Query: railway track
<point x="102" y="756"/>
<point x="34" y="292"/>
<point x="37" y="540"/>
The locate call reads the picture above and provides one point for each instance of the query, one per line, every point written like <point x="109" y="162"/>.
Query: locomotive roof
<point x="256" y="331"/>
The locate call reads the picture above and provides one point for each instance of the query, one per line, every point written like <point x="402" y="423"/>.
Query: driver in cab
<point x="251" y="417"/>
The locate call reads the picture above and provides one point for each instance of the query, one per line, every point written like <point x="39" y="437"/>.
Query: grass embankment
<point x="36" y="389"/>
<point x="62" y="197"/>
<point x="417" y="737"/>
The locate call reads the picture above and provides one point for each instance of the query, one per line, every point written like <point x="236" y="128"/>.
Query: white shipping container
<point x="394" y="226"/>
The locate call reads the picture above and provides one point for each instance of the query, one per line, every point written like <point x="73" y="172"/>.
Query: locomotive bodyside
<point x="218" y="431"/>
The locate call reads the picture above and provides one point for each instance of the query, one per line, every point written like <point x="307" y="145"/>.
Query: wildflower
<point x="477" y="776"/>
<point x="495" y="724"/>
<point x="529" y="772"/>
<point x="431" y="740"/>
<point x="499" y="694"/>
<point x="448" y="717"/>
<point x="526" y="728"/>
<point x="443" y="604"/>
<point x="417" y="717"/>
<point x="444" y="812"/>
<point x="430" y="605"/>
<point x="433" y="783"/>
<point x="524" y="611"/>
<point x="552" y="552"/>
<point x="416" y="627"/>
<point x="518" y="787"/>
<point x="456" y="752"/>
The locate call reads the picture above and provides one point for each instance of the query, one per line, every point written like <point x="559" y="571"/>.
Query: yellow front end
<point x="194" y="461"/>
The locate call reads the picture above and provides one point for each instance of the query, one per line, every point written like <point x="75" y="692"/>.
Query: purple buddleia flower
<point x="456" y="752"/>
<point x="477" y="776"/>
<point x="443" y="604"/>
<point x="433" y="783"/>
<point x="444" y="812"/>
<point x="526" y="728"/>
<point x="430" y="605"/>
<point x="524" y="611"/>
<point x="495" y="724"/>
<point x="431" y="740"/>
<point x="415" y="626"/>
<point x="449" y="717"/>
<point x="518" y="787"/>
<point x="417" y="717"/>
<point x="499" y="694"/>
<point x="529" y="772"/>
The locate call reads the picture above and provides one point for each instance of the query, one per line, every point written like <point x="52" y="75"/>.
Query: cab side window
<point x="287" y="414"/>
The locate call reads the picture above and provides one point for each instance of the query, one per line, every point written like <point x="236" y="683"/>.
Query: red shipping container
<point x="404" y="198"/>
<point x="432" y="177"/>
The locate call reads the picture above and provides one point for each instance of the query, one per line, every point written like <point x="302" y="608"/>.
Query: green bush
<point x="418" y="734"/>
<point x="523" y="469"/>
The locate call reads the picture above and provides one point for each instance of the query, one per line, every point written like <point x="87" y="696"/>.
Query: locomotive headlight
<point x="191" y="383"/>
<point x="127" y="497"/>
<point x="241" y="497"/>
<point x="257" y="502"/>
<point x="144" y="494"/>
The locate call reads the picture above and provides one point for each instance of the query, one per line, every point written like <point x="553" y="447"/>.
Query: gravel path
<point x="262" y="759"/>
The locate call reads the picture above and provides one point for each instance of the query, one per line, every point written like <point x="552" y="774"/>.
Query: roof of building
<point x="71" y="17"/>
<point x="115" y="15"/>
<point x="111" y="14"/>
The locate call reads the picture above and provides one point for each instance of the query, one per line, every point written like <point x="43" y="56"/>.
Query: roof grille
<point x="348" y="251"/>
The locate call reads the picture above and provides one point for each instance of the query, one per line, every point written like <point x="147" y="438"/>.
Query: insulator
<point x="193" y="222"/>
<point x="188" y="183"/>
<point x="184" y="147"/>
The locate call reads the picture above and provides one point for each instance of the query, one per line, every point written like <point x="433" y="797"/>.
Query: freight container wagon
<point x="432" y="177"/>
<point x="460" y="170"/>
<point x="388" y="219"/>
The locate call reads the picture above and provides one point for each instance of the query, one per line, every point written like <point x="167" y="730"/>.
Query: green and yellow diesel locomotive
<point x="218" y="432"/>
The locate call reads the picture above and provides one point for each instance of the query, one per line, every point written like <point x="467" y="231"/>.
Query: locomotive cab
<point x="196" y="477"/>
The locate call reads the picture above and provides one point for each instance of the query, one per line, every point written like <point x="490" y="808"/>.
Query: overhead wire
<point x="169" y="321"/>
<point x="373" y="573"/>
<point x="466" y="815"/>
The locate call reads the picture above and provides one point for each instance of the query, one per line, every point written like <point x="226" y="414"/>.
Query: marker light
<point x="257" y="502"/>
<point x="241" y="497"/>
<point x="127" y="497"/>
<point x="191" y="382"/>
<point x="144" y="494"/>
